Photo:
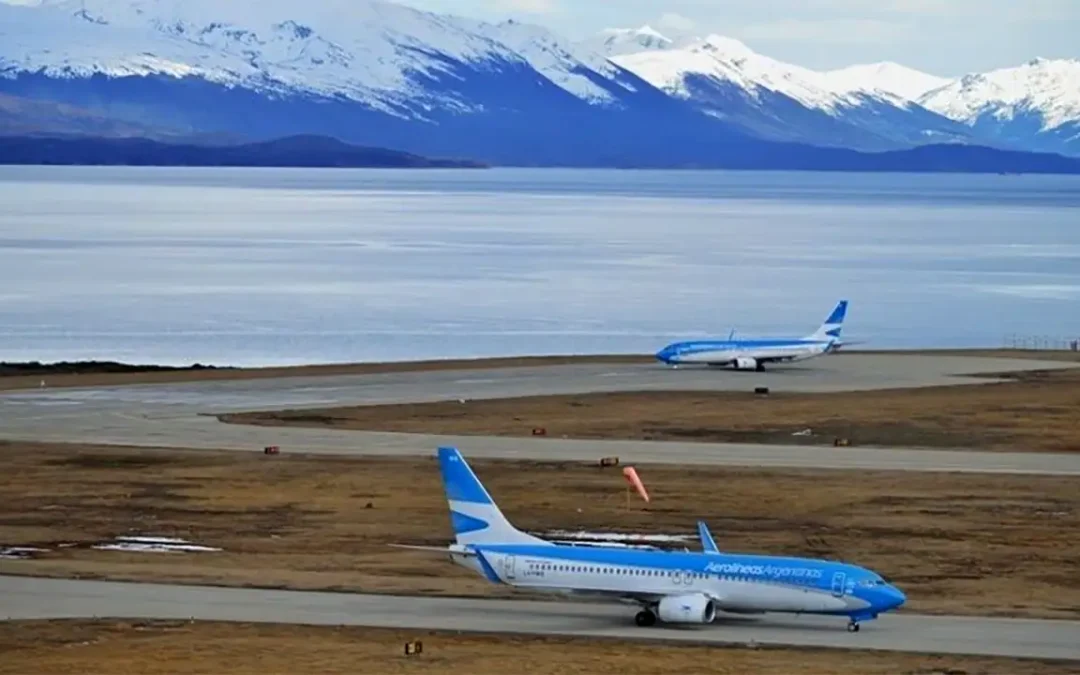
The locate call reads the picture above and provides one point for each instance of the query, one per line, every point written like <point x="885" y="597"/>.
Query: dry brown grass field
<point x="182" y="648"/>
<point x="956" y="543"/>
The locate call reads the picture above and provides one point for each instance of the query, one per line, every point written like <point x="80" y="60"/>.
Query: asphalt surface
<point x="181" y="415"/>
<point x="30" y="598"/>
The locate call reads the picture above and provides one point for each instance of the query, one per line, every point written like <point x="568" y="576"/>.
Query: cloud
<point x="675" y="22"/>
<point x="526" y="6"/>
<point x="835" y="31"/>
<point x="1036" y="10"/>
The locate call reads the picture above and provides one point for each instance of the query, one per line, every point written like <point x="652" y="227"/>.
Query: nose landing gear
<point x="853" y="626"/>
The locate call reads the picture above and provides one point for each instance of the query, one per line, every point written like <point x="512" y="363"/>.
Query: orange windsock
<point x="633" y="479"/>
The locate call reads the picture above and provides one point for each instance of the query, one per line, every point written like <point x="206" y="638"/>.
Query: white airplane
<point x="674" y="587"/>
<point x="754" y="354"/>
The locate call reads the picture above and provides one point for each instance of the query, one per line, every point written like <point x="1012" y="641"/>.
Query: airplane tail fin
<point x="830" y="330"/>
<point x="473" y="514"/>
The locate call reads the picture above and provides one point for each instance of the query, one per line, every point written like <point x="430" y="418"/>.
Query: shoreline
<point x="35" y="374"/>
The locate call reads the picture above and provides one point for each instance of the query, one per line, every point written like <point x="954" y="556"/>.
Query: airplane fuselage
<point x="725" y="582"/>
<point x="745" y="354"/>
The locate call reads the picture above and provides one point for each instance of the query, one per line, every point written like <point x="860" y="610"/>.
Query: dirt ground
<point x="1037" y="411"/>
<point x="182" y="648"/>
<point x="955" y="543"/>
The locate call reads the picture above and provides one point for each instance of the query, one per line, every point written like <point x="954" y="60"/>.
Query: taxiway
<point x="183" y="415"/>
<point x="31" y="598"/>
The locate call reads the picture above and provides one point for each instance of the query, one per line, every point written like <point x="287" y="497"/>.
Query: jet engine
<point x="690" y="608"/>
<point x="745" y="363"/>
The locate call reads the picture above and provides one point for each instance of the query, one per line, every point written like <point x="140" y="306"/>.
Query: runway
<point x="30" y="598"/>
<point x="181" y="415"/>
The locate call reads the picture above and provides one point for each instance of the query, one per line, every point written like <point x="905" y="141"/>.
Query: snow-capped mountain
<point x="1036" y="105"/>
<point x="257" y="45"/>
<point x="726" y="79"/>
<point x="377" y="73"/>
<point x="365" y="71"/>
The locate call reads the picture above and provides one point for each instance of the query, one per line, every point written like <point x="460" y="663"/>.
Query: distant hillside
<point x="292" y="151"/>
<point x="15" y="369"/>
<point x="22" y="116"/>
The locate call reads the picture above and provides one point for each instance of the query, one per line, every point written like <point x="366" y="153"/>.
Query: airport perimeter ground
<point x="181" y="648"/>
<point x="986" y="526"/>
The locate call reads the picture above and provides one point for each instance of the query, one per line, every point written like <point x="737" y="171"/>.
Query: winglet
<point x="708" y="545"/>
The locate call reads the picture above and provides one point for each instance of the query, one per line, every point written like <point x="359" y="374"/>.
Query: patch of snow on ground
<point x="153" y="545"/>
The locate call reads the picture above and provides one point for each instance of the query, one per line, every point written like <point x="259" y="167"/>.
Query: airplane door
<point x="509" y="567"/>
<point x="838" y="584"/>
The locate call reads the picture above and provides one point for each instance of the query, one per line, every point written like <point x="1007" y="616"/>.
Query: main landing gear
<point x="645" y="618"/>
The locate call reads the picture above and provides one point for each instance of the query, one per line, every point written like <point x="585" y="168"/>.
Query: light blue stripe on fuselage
<point x="732" y="345"/>
<point x="773" y="569"/>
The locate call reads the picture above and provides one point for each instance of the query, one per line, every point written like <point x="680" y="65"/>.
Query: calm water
<point x="245" y="267"/>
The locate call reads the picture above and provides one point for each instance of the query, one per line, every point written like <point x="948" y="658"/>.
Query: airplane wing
<point x="847" y="343"/>
<point x="436" y="549"/>
<point x="648" y="598"/>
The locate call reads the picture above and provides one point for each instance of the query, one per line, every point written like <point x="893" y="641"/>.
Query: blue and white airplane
<point x="754" y="354"/>
<point x="674" y="587"/>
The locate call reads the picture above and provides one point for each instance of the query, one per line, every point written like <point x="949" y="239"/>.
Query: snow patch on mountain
<point x="886" y="77"/>
<point x="620" y="41"/>
<point x="729" y="60"/>
<point x="1044" y="87"/>
<point x="563" y="64"/>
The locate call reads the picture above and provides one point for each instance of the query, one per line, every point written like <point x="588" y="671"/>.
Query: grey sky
<point x="944" y="37"/>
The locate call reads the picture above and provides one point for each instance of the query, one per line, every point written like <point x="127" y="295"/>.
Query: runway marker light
<point x="414" y="647"/>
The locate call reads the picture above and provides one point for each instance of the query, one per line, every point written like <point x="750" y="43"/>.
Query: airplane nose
<point x="896" y="597"/>
<point x="665" y="354"/>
